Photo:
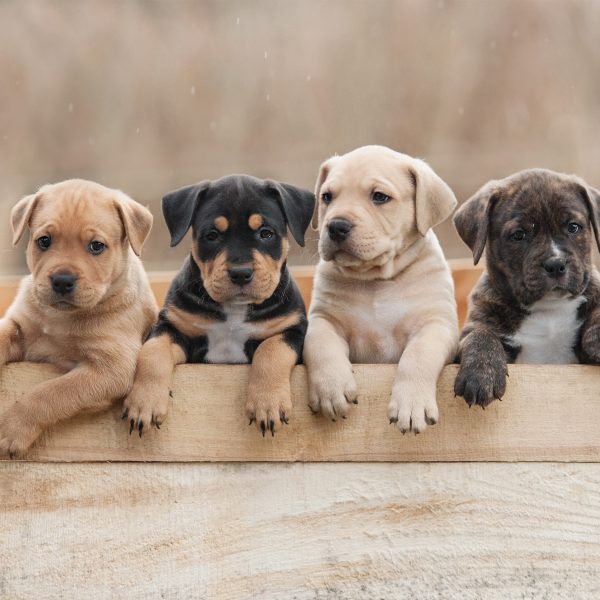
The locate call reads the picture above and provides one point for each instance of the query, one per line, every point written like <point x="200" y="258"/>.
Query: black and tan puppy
<point x="538" y="302"/>
<point x="234" y="300"/>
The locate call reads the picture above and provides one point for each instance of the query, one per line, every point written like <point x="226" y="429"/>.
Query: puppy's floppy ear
<point x="137" y="221"/>
<point x="434" y="199"/>
<point x="21" y="214"/>
<point x="297" y="206"/>
<point x="592" y="199"/>
<point x="323" y="172"/>
<point x="472" y="218"/>
<point x="179" y="208"/>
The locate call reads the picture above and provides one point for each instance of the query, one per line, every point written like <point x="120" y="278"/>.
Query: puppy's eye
<point x="211" y="236"/>
<point x="265" y="233"/>
<point x="44" y="242"/>
<point x="326" y="197"/>
<point x="574" y="227"/>
<point x="518" y="235"/>
<point x="380" y="198"/>
<point x="95" y="247"/>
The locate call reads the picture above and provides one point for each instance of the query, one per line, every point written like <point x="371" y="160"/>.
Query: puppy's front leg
<point x="10" y="344"/>
<point x="88" y="387"/>
<point x="269" y="400"/>
<point x="148" y="401"/>
<point x="482" y="374"/>
<point x="331" y="384"/>
<point x="413" y="404"/>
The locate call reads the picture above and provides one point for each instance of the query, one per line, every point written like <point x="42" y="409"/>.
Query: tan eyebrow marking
<point x="222" y="224"/>
<point x="255" y="221"/>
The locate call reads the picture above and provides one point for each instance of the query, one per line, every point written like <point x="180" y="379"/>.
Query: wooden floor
<point x="465" y="531"/>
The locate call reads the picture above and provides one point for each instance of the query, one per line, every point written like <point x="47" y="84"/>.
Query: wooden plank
<point x="548" y="414"/>
<point x="303" y="532"/>
<point x="465" y="277"/>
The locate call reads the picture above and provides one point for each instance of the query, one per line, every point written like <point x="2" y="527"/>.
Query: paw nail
<point x="131" y="425"/>
<point x="140" y="427"/>
<point x="263" y="428"/>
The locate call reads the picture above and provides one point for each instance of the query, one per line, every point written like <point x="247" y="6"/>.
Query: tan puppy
<point x="383" y="291"/>
<point x="86" y="307"/>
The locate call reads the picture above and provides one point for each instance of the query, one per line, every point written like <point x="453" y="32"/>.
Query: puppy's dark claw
<point x="157" y="424"/>
<point x="125" y="414"/>
<point x="251" y="420"/>
<point x="131" y="426"/>
<point x="272" y="428"/>
<point x="263" y="428"/>
<point x="170" y="393"/>
<point x="393" y="420"/>
<point x="141" y="427"/>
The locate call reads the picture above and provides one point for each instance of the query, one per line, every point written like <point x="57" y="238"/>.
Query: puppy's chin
<point x="248" y="294"/>
<point x="79" y="301"/>
<point x="356" y="256"/>
<point x="530" y="292"/>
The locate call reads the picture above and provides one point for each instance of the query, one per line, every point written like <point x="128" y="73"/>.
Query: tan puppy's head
<point x="374" y="203"/>
<point x="79" y="243"/>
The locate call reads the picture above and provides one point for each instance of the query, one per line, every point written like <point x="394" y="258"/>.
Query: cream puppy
<point x="383" y="291"/>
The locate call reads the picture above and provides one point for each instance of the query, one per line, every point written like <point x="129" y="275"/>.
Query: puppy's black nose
<point x="555" y="267"/>
<point x="63" y="283"/>
<point x="241" y="275"/>
<point x="339" y="229"/>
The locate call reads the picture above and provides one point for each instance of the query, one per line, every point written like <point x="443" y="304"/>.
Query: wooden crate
<point x="501" y="503"/>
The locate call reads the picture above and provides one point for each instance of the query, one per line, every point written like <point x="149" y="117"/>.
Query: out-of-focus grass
<point x="147" y="96"/>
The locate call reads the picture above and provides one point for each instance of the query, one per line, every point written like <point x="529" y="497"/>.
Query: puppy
<point x="383" y="290"/>
<point x="233" y="301"/>
<point x="86" y="307"/>
<point x="538" y="300"/>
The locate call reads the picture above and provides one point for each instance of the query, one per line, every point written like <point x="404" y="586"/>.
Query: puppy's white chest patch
<point x="226" y="339"/>
<point x="547" y="335"/>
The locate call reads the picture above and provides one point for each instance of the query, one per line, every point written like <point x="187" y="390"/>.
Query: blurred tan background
<point x="148" y="96"/>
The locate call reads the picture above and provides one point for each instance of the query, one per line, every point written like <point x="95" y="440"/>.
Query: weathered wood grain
<point x="548" y="414"/>
<point x="303" y="532"/>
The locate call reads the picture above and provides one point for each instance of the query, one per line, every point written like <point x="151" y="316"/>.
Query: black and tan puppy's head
<point x="81" y="236"/>
<point x="239" y="225"/>
<point x="537" y="226"/>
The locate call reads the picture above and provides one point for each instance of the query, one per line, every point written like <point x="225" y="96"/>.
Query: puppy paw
<point x="411" y="409"/>
<point x="146" y="405"/>
<point x="17" y="434"/>
<point x="269" y="408"/>
<point x="481" y="383"/>
<point x="331" y="392"/>
<point x="590" y="344"/>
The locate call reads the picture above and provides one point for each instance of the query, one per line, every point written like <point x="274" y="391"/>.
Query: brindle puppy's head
<point x="80" y="237"/>
<point x="373" y="204"/>
<point x="537" y="226"/>
<point x="239" y="225"/>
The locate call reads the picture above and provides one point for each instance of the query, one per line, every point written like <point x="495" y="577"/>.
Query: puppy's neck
<point x="388" y="270"/>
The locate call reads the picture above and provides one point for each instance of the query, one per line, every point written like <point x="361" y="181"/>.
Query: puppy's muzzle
<point x="240" y="275"/>
<point x="63" y="284"/>
<point x="555" y="267"/>
<point x="339" y="229"/>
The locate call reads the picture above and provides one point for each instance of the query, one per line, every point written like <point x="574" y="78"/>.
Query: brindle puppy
<point x="234" y="300"/>
<point x="538" y="302"/>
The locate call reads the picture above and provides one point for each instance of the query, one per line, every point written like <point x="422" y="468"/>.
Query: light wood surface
<point x="548" y="414"/>
<point x="300" y="531"/>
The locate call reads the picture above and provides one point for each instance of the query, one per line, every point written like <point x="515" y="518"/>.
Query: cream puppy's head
<point x="373" y="205"/>
<point x="80" y="237"/>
